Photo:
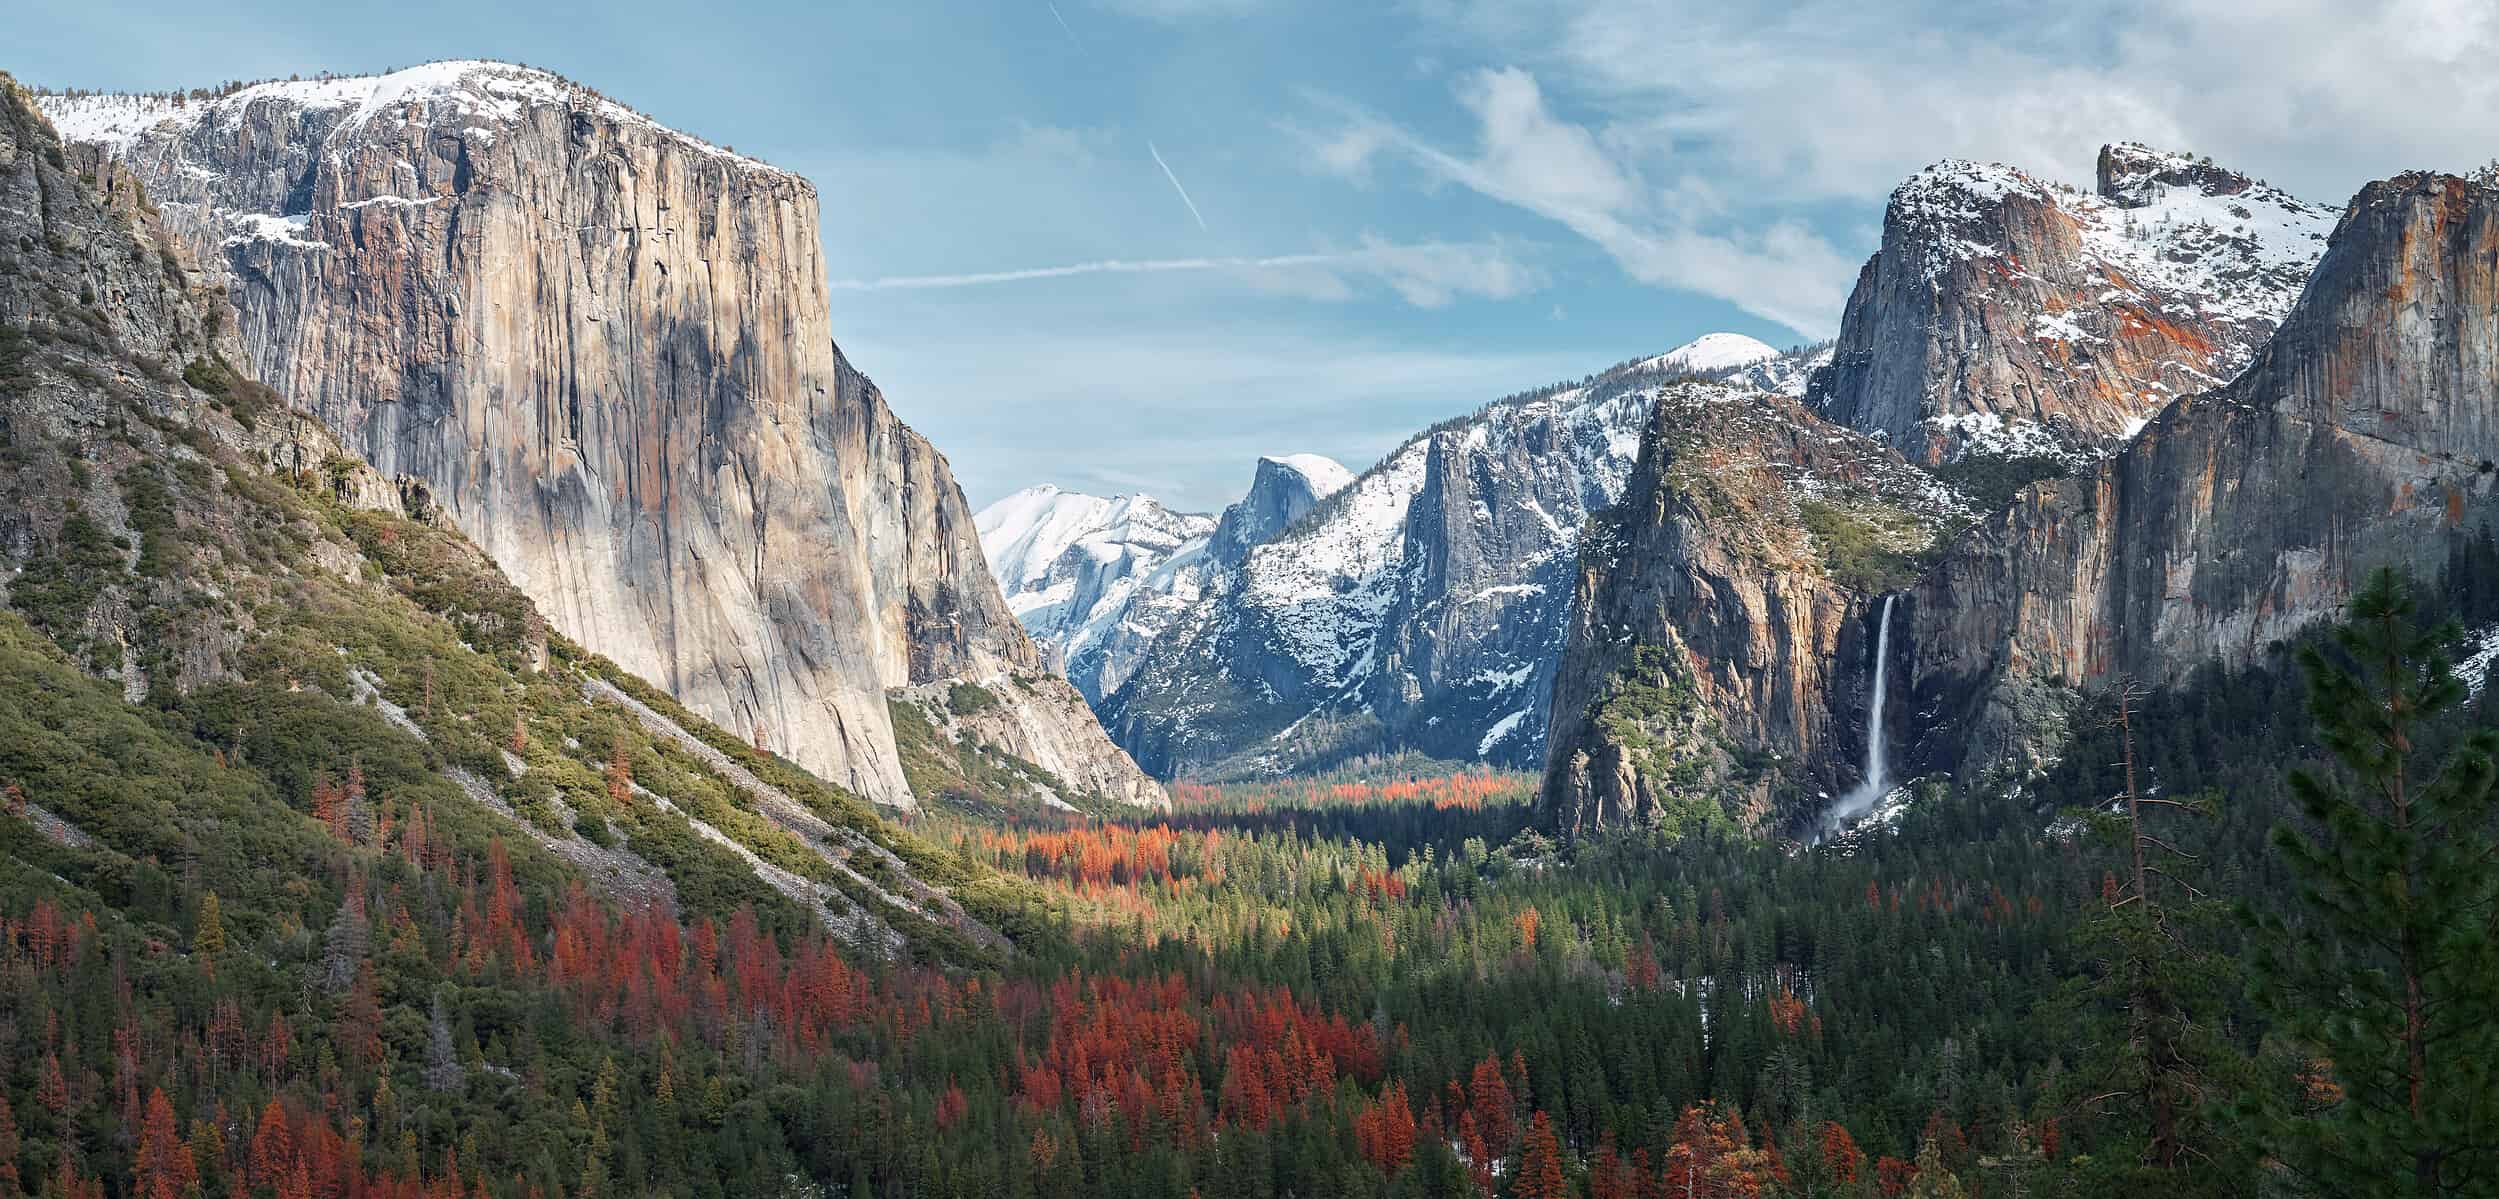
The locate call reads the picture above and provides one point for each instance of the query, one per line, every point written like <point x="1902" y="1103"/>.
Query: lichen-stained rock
<point x="2363" y="434"/>
<point x="602" y="347"/>
<point x="1718" y="645"/>
<point x="2010" y="316"/>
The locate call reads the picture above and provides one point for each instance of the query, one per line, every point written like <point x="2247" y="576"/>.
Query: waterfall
<point x="1878" y="778"/>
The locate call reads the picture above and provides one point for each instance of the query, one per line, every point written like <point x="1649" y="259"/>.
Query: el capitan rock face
<point x="2361" y="435"/>
<point x="2005" y="315"/>
<point x="603" y="347"/>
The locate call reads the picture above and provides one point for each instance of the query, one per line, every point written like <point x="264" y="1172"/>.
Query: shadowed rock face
<point x="2005" y="315"/>
<point x="2360" y="436"/>
<point x="1716" y="654"/>
<point x="603" y="347"/>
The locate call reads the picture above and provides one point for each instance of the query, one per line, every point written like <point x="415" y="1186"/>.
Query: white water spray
<point x="1878" y="780"/>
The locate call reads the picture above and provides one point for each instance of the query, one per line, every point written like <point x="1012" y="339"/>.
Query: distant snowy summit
<point x="1743" y="361"/>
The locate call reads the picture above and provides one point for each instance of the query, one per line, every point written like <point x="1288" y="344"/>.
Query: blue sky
<point x="1394" y="211"/>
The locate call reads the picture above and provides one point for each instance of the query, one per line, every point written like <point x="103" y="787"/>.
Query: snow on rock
<point x="1417" y="606"/>
<point x="1325" y="475"/>
<point x="496" y="93"/>
<point x="2077" y="312"/>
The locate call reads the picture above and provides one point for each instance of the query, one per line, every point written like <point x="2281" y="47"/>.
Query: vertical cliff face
<point x="2361" y="435"/>
<point x="2003" y="315"/>
<point x="602" y="346"/>
<point x="1717" y="652"/>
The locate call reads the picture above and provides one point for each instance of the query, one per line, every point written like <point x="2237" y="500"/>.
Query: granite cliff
<point x="1704" y="670"/>
<point x="211" y="614"/>
<point x="602" y="348"/>
<point x="2363" y="434"/>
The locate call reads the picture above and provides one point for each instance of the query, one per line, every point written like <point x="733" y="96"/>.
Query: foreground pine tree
<point x="2386" y="973"/>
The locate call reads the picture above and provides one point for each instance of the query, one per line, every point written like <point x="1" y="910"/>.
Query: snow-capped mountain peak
<point x="1711" y="353"/>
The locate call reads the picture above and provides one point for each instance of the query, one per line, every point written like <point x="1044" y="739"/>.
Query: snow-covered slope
<point x="1711" y="353"/>
<point x="1074" y="565"/>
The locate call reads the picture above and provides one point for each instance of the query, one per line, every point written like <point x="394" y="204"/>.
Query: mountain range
<point x="1416" y="606"/>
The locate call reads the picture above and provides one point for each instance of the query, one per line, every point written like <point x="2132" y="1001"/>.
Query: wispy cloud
<point x="1425" y="274"/>
<point x="1175" y="11"/>
<point x="1108" y="266"/>
<point x="1175" y="184"/>
<point x="1188" y="411"/>
<point x="1529" y="158"/>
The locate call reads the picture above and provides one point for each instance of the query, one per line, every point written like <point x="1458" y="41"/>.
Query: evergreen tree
<point x="2388" y="976"/>
<point x="208" y="936"/>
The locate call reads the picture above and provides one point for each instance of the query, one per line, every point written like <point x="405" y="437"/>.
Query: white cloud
<point x="1842" y="98"/>
<point x="1707" y="146"/>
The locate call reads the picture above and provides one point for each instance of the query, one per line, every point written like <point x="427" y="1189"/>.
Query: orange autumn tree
<point x="1540" y="1163"/>
<point x="1714" y="1158"/>
<point x="1840" y="1155"/>
<point x="163" y="1168"/>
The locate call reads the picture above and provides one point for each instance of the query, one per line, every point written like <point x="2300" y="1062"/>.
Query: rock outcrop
<point x="602" y="347"/>
<point x="1718" y="648"/>
<point x="2008" y="316"/>
<point x="2363" y="434"/>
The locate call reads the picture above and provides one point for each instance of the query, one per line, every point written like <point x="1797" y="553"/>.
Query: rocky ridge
<point x="1092" y="578"/>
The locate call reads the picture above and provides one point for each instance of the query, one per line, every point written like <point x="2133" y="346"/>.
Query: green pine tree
<point x="2388" y="975"/>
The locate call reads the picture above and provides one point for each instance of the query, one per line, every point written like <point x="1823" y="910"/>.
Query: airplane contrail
<point x="1108" y="266"/>
<point x="1063" y="28"/>
<point x="1175" y="184"/>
